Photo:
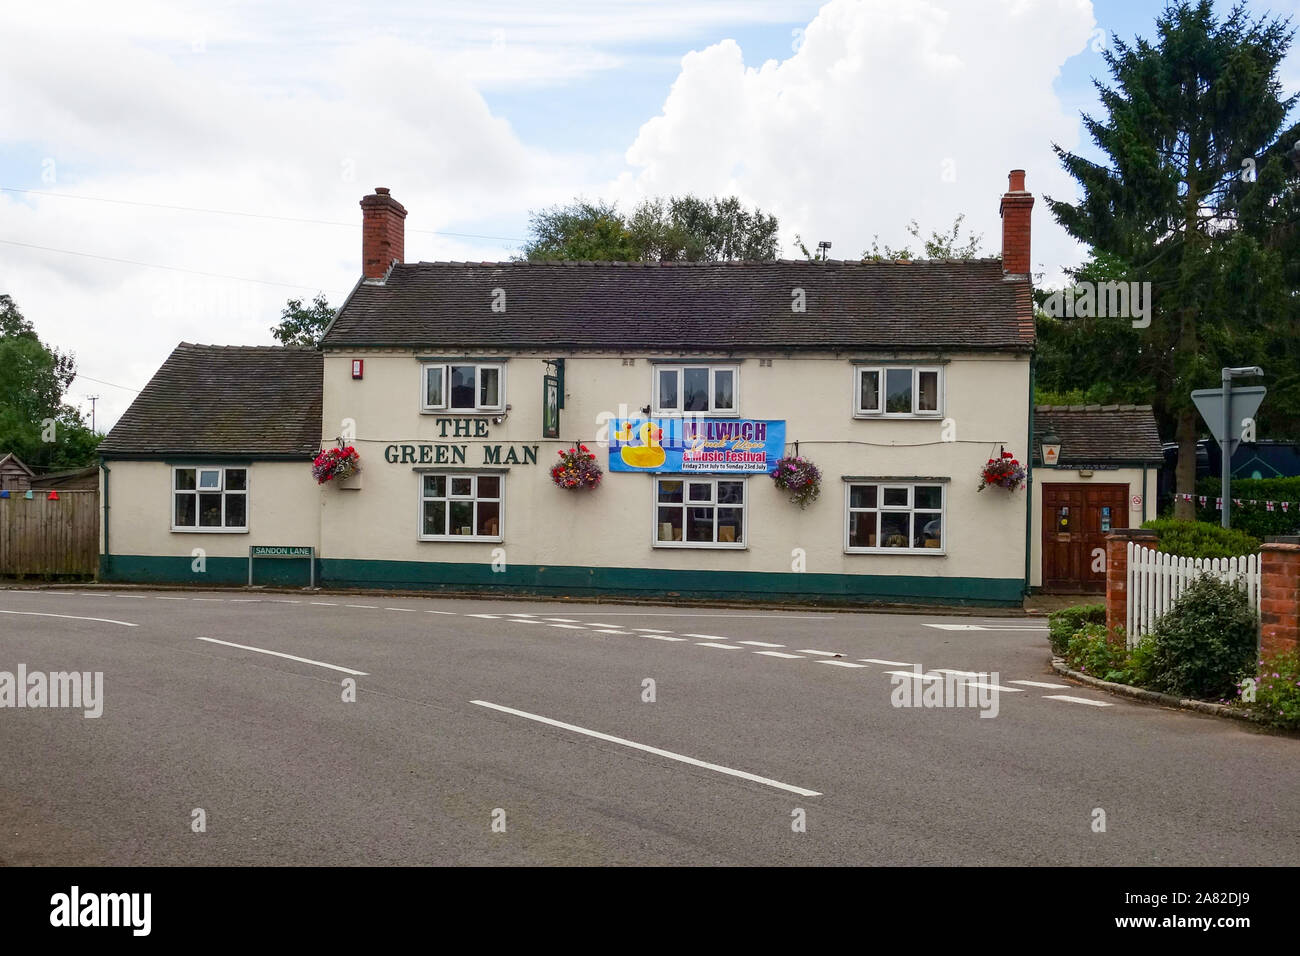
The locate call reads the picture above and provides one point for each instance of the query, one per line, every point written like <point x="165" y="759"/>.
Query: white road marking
<point x="651" y="630"/>
<point x="520" y="614"/>
<point x="408" y="610"/>
<point x="840" y="663"/>
<point x="809" y="650"/>
<point x="658" y="637"/>
<point x="571" y="627"/>
<point x="426" y="610"/>
<point x="303" y="660"/>
<point x="144" y="597"/>
<point x="610" y="630"/>
<point x="760" y="644"/>
<point x="997" y="687"/>
<point x="956" y="627"/>
<point x="766" y="781"/>
<point x="599" y="624"/>
<point x="726" y="647"/>
<point x="318" y="603"/>
<point x="1039" y="683"/>
<point x="877" y="660"/>
<point x="949" y="670"/>
<point x="283" y="601"/>
<point x="256" y="601"/>
<point x="711" y="637"/>
<point x="963" y="683"/>
<point x="373" y="607"/>
<point x="793" y="657"/>
<point x="490" y="617"/>
<point x="73" y="617"/>
<point x="209" y="599"/>
<point x="1076" y="700"/>
<point x="564" y="620"/>
<point x="521" y="620"/>
<point x="170" y="599"/>
<point x="732" y="617"/>
<point x="915" y="676"/>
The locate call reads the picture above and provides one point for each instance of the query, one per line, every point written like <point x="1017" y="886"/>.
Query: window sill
<point x="898" y="416"/>
<point x="209" y="531"/>
<point x="674" y="413"/>
<point x="460" y="539"/>
<point x="699" y="546"/>
<point x="923" y="552"/>
<point x="464" y="413"/>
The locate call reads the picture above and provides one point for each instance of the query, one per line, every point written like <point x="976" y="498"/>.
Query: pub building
<point x="458" y="386"/>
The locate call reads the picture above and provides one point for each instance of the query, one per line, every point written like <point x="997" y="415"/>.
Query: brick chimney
<point x="1015" y="209"/>
<point x="383" y="233"/>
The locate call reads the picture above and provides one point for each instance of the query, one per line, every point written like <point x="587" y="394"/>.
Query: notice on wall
<point x="715" y="445"/>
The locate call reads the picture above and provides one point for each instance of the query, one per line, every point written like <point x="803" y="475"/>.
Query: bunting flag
<point x="1269" y="504"/>
<point x="1204" y="500"/>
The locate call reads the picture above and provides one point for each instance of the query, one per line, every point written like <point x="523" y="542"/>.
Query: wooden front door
<point x="1076" y="520"/>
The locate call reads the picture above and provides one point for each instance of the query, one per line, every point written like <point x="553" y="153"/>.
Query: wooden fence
<point x="1156" y="579"/>
<point x="49" y="538"/>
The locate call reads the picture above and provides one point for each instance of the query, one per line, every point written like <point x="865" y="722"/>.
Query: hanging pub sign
<point x="675" y="445"/>
<point x="550" y="406"/>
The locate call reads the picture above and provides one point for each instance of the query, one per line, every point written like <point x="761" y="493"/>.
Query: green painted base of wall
<point x="551" y="580"/>
<point x="150" y="569"/>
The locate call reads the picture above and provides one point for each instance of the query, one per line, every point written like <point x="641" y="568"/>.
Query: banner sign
<point x="716" y="445"/>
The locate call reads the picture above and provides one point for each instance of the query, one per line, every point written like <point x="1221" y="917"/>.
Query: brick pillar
<point x="1279" y="598"/>
<point x="1117" y="573"/>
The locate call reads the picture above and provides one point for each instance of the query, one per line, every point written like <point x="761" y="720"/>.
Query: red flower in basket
<point x="1004" y="471"/>
<point x="334" y="463"/>
<point x="576" y="468"/>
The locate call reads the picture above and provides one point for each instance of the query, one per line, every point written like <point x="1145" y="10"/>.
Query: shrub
<point x="1254" y="519"/>
<point x="1277" y="692"/>
<point x="1206" y="642"/>
<point x="1091" y="653"/>
<point x="1200" y="539"/>
<point x="1065" y="623"/>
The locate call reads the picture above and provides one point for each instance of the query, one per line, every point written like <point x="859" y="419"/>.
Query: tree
<point x="35" y="424"/>
<point x="303" y="326"/>
<point x="940" y="245"/>
<point x="1184" y="117"/>
<point x="676" y="229"/>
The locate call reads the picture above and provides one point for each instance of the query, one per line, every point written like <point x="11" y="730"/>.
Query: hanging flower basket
<point x="332" y="463"/>
<point x="576" y="468"/>
<point x="800" y="477"/>
<point x="1004" y="472"/>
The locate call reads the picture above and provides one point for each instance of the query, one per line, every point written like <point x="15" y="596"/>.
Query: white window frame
<point x="474" y="476"/>
<point x="445" y="406"/>
<point x="882" y="372"/>
<point x="219" y="490"/>
<point x="740" y="545"/>
<point x="910" y="509"/>
<point x="733" y="412"/>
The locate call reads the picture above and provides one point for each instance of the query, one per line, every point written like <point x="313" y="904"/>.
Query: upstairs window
<point x="897" y="391"/>
<point x="467" y="387"/>
<point x="696" y="388"/>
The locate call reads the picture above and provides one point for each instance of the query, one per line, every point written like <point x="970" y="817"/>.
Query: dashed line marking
<point x="760" y="644"/>
<point x="72" y="617"/>
<point x="610" y="630"/>
<point x="408" y="610"/>
<point x="766" y="781"/>
<point x="373" y="607"/>
<point x="303" y="660"/>
<point x="725" y="647"/>
<point x="317" y="603"/>
<point x="1076" y="700"/>
<point x="522" y="620"/>
<point x="600" y="624"/>
<point x="259" y="601"/>
<point x="793" y="657"/>
<point x="1039" y="683"/>
<point x="808" y="650"/>
<point x="490" y="617"/>
<point x="710" y="637"/>
<point x="877" y="660"/>
<point x="426" y="610"/>
<point x="564" y="620"/>
<point x="571" y="627"/>
<point x="949" y="670"/>
<point x="210" y="599"/>
<point x="915" y="676"/>
<point x="840" y="663"/>
<point x="170" y="599"/>
<point x="283" y="601"/>
<point x="145" y="597"/>
<point x="651" y="630"/>
<point x="659" y="637"/>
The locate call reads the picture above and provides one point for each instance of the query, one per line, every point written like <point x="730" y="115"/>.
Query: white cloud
<point x="887" y="112"/>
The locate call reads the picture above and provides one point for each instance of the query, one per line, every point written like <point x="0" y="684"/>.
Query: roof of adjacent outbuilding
<point x="259" y="401"/>
<point x="1121" y="434"/>
<point x="715" y="306"/>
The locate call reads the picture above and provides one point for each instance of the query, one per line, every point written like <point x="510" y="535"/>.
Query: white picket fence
<point x="1156" y="579"/>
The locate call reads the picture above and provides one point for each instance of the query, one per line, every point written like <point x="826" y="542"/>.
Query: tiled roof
<point x="706" y="307"/>
<point x="1100" y="433"/>
<point x="226" y="400"/>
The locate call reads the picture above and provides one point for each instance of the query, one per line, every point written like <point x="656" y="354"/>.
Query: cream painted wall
<point x="986" y="398"/>
<point x="283" y="503"/>
<point x="1129" y="476"/>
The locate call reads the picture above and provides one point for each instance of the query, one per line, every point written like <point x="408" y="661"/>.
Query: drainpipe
<point x="1144" y="494"/>
<point x="1029" y="479"/>
<point x="105" y="561"/>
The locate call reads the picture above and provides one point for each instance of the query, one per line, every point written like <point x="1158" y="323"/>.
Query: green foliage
<point x="676" y="229"/>
<point x="1200" y="539"/>
<point x="1184" y="114"/>
<point x="303" y="326"/>
<point x="1091" y="652"/>
<point x="1206" y="642"/>
<point x="940" y="245"/>
<point x="1277" y="692"/>
<point x="1255" y="519"/>
<point x="1066" y="622"/>
<point x="35" y="380"/>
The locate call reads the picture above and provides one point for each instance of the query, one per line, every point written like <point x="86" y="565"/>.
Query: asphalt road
<point x="532" y="715"/>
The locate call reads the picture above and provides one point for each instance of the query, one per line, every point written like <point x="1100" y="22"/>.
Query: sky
<point x="174" y="171"/>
